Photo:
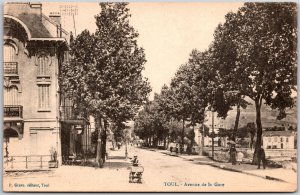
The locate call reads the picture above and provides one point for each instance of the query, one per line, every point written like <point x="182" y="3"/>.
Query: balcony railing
<point x="13" y="111"/>
<point x="67" y="113"/>
<point x="11" y="68"/>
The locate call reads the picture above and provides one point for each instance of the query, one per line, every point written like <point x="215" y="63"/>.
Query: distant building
<point x="278" y="140"/>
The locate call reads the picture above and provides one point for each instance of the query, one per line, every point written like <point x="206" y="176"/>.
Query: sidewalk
<point x="278" y="174"/>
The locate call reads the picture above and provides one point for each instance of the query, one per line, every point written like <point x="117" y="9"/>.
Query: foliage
<point x="260" y="54"/>
<point x="275" y="128"/>
<point x="104" y="77"/>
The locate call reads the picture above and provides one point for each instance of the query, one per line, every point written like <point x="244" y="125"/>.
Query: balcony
<point x="13" y="111"/>
<point x="10" y="68"/>
<point x="67" y="113"/>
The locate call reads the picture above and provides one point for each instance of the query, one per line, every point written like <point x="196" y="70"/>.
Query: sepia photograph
<point x="149" y="97"/>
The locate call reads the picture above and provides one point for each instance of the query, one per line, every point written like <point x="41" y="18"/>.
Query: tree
<point x="252" y="130"/>
<point x="187" y="93"/>
<point x="104" y="75"/>
<point x="263" y="49"/>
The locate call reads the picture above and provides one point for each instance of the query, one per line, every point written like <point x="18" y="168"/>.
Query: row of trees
<point x="253" y="55"/>
<point x="104" y="75"/>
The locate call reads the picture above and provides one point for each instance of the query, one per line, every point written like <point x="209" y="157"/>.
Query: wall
<point x="286" y="145"/>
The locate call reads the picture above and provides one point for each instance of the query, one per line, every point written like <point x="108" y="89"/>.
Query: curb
<point x="226" y="168"/>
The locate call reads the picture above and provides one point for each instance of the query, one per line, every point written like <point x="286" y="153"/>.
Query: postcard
<point x="150" y="97"/>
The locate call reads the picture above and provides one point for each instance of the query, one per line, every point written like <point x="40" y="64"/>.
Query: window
<point x="281" y="139"/>
<point x="10" y="64"/>
<point x="11" y="95"/>
<point x="43" y="65"/>
<point x="43" y="61"/>
<point x="9" y="53"/>
<point x="43" y="97"/>
<point x="287" y="139"/>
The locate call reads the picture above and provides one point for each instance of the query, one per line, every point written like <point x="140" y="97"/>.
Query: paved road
<point x="162" y="173"/>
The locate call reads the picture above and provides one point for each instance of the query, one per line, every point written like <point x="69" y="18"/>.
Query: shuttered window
<point x="43" y="66"/>
<point x="9" y="53"/>
<point x="11" y="95"/>
<point x="44" y="97"/>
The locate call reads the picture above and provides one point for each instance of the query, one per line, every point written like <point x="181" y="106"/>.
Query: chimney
<point x="36" y="8"/>
<point x="55" y="16"/>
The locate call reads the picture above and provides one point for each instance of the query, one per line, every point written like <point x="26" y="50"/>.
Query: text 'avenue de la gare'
<point x="192" y="184"/>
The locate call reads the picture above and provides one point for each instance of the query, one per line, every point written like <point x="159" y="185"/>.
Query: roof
<point x="36" y="25"/>
<point x="277" y="133"/>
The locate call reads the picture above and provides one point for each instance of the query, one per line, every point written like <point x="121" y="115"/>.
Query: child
<point x="240" y="157"/>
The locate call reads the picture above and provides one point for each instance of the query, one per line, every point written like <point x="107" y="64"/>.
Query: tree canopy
<point x="104" y="75"/>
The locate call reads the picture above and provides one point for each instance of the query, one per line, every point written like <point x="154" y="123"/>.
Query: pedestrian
<point x="118" y="145"/>
<point x="261" y="156"/>
<point x="135" y="161"/>
<point x="239" y="157"/>
<point x="171" y="147"/>
<point x="233" y="154"/>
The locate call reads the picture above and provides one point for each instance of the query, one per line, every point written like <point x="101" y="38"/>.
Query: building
<point x="38" y="118"/>
<point x="34" y="46"/>
<point x="278" y="140"/>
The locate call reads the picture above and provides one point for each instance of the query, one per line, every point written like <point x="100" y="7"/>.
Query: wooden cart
<point x="135" y="175"/>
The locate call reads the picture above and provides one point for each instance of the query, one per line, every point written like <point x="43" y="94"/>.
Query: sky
<point x="167" y="31"/>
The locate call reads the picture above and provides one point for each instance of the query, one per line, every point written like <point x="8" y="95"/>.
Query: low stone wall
<point x="273" y="153"/>
<point x="270" y="153"/>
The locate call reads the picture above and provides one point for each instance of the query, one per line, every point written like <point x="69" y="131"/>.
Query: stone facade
<point x="34" y="47"/>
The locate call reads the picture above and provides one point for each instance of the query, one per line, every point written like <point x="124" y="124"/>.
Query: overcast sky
<point x="168" y="31"/>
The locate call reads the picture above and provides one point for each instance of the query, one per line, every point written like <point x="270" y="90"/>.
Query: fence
<point x="32" y="162"/>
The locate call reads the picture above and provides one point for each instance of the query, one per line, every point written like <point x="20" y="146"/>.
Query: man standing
<point x="233" y="154"/>
<point x="261" y="157"/>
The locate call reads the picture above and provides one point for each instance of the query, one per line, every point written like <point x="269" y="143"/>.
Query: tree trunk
<point x="252" y="140"/>
<point x="192" y="141"/>
<point x="99" y="161"/>
<point x="182" y="138"/>
<point x="212" y="138"/>
<point x="236" y="124"/>
<point x="259" y="130"/>
<point x="103" y="142"/>
<point x="202" y="139"/>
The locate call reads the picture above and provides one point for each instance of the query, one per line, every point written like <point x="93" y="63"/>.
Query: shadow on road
<point x="116" y="157"/>
<point x="116" y="165"/>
